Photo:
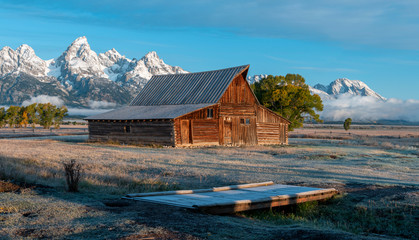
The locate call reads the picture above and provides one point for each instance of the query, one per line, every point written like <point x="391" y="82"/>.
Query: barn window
<point x="247" y="121"/>
<point x="241" y="121"/>
<point x="210" y="113"/>
<point x="127" y="129"/>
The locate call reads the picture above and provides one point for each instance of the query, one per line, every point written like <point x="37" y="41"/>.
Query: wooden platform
<point x="236" y="198"/>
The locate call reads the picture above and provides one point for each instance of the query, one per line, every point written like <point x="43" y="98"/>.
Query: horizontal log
<point x="215" y="189"/>
<point x="269" y="202"/>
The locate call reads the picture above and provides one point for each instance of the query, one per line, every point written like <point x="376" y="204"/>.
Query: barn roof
<point x="187" y="88"/>
<point x="149" y="112"/>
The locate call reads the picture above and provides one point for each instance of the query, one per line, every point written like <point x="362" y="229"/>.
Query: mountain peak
<point x="347" y="86"/>
<point x="25" y="50"/>
<point x="79" y="45"/>
<point x="151" y="54"/>
<point x="80" y="41"/>
<point x="113" y="52"/>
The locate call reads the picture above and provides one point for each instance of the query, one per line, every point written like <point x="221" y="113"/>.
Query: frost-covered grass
<point x="30" y="215"/>
<point x="111" y="171"/>
<point x="353" y="213"/>
<point x="118" y="170"/>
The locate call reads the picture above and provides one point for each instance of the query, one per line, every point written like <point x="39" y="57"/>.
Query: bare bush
<point x="72" y="175"/>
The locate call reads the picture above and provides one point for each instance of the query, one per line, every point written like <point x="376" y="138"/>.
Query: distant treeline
<point x="46" y="115"/>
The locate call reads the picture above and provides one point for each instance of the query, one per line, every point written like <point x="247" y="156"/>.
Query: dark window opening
<point x="127" y="129"/>
<point x="210" y="113"/>
<point x="247" y="121"/>
<point x="241" y="121"/>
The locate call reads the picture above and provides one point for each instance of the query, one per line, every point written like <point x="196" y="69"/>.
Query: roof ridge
<point x="200" y="87"/>
<point x="246" y="65"/>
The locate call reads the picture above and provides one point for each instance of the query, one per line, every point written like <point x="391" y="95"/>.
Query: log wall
<point x="202" y="129"/>
<point x="271" y="128"/>
<point x="140" y="132"/>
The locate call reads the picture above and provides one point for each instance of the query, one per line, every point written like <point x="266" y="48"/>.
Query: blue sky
<point x="375" y="41"/>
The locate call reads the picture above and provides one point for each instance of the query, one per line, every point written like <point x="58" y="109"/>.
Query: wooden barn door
<point x="185" y="133"/>
<point x="227" y="131"/>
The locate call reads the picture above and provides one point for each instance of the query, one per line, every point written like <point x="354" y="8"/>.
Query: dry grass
<point x="118" y="170"/>
<point x="111" y="171"/>
<point x="33" y="216"/>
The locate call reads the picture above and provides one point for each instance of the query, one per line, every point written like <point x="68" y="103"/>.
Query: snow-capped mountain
<point x="345" y="86"/>
<point x="256" y="78"/>
<point x="21" y="60"/>
<point x="334" y="89"/>
<point x="78" y="76"/>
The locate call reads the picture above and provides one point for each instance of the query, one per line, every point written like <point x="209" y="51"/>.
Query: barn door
<point x="227" y="131"/>
<point x="185" y="132"/>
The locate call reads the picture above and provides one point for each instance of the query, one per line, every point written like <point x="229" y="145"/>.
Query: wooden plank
<point x="274" y="201"/>
<point x="215" y="189"/>
<point x="237" y="198"/>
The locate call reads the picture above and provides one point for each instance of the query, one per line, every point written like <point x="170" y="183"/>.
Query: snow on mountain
<point x="256" y="78"/>
<point x="323" y="95"/>
<point x="82" y="74"/>
<point x="21" y="60"/>
<point x="345" y="86"/>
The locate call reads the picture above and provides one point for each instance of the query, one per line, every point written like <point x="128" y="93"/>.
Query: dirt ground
<point x="376" y="174"/>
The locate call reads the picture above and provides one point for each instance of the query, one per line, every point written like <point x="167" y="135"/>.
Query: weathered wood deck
<point x="236" y="198"/>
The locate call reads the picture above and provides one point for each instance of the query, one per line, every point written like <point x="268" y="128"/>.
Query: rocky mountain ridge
<point x="78" y="76"/>
<point x="345" y="86"/>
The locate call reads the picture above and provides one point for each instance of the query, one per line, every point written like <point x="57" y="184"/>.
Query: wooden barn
<point x="206" y="108"/>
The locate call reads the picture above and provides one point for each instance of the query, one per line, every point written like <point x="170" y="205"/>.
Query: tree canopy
<point x="347" y="124"/>
<point x="45" y="115"/>
<point x="290" y="97"/>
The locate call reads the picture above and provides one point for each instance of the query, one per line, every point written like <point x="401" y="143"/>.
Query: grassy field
<point x="377" y="174"/>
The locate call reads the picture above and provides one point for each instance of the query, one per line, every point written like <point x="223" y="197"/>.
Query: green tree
<point x="347" y="124"/>
<point x="46" y="113"/>
<point x="59" y="116"/>
<point x="290" y="97"/>
<point x="13" y="116"/>
<point x="2" y="117"/>
<point x="33" y="116"/>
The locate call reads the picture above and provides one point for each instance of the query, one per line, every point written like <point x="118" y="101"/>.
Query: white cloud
<point x="361" y="108"/>
<point x="101" y="104"/>
<point x="85" y="112"/>
<point x="57" y="101"/>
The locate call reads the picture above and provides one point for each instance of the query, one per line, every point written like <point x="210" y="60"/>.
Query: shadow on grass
<point x="351" y="212"/>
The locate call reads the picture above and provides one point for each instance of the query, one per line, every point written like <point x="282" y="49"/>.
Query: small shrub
<point x="72" y="175"/>
<point x="347" y="124"/>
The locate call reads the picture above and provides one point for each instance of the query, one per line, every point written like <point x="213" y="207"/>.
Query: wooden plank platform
<point x="236" y="198"/>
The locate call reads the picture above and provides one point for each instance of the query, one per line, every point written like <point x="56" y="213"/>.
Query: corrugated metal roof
<point x="187" y="88"/>
<point x="149" y="112"/>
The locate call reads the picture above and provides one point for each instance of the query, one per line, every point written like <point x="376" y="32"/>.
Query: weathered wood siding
<point x="238" y="92"/>
<point x="271" y="128"/>
<point x="238" y="105"/>
<point x="140" y="132"/>
<point x="203" y="130"/>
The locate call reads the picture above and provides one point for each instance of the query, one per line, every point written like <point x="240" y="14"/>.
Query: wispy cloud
<point x="384" y="23"/>
<point x="326" y="69"/>
<point x="101" y="104"/>
<point x="281" y="59"/>
<point x="55" y="100"/>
